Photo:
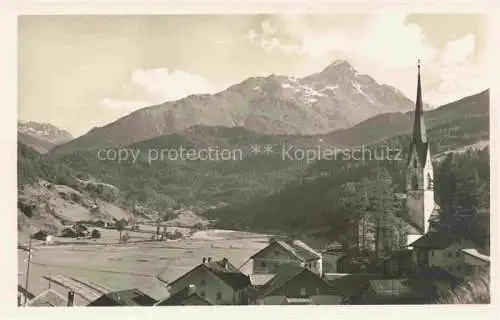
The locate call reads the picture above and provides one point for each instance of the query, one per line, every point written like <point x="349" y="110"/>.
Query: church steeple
<point x="419" y="132"/>
<point x="419" y="171"/>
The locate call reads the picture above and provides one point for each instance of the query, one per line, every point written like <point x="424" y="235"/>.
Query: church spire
<point x="419" y="132"/>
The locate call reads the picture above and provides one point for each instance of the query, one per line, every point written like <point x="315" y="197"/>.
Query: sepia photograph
<point x="253" y="159"/>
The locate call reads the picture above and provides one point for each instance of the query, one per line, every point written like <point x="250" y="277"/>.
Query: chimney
<point x="209" y="259"/>
<point x="204" y="260"/>
<point x="19" y="299"/>
<point x="71" y="298"/>
<point x="191" y="289"/>
<point x="224" y="262"/>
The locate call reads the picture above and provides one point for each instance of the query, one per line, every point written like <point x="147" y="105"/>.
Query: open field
<point x="136" y="264"/>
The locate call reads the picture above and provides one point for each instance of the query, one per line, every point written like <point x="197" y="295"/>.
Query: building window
<point x="450" y="255"/>
<point x="202" y="283"/>
<point x="303" y="292"/>
<point x="432" y="253"/>
<point x="276" y="253"/>
<point x="415" y="163"/>
<point x="414" y="183"/>
<point x="219" y="296"/>
<point x="317" y="291"/>
<point x="202" y="293"/>
<point x="315" y="264"/>
<point x="262" y="264"/>
<point x="429" y="181"/>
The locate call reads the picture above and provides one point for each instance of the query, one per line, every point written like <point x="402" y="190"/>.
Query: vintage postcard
<point x="253" y="159"/>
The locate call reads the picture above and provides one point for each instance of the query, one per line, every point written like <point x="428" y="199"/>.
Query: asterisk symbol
<point x="268" y="148"/>
<point x="255" y="148"/>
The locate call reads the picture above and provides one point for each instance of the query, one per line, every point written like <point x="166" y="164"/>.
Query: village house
<point x="400" y="291"/>
<point x="476" y="260"/>
<point x="123" y="298"/>
<point x="217" y="281"/>
<point x="351" y="286"/>
<point x="297" y="285"/>
<point x="439" y="249"/>
<point x="399" y="263"/>
<point x="186" y="297"/>
<point x="51" y="298"/>
<point x="278" y="253"/>
<point x="331" y="256"/>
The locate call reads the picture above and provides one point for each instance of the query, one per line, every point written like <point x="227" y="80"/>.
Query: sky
<point x="80" y="72"/>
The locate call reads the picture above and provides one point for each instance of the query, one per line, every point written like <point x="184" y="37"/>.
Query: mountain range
<point x="376" y="116"/>
<point x="41" y="136"/>
<point x="335" y="98"/>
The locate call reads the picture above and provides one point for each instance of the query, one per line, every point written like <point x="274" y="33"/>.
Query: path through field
<point x="136" y="265"/>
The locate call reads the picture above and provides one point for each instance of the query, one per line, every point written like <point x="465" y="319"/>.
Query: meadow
<point x="136" y="264"/>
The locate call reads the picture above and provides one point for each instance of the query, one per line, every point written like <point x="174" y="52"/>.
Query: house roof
<point x="354" y="284"/>
<point x="404" y="288"/>
<point x="476" y="254"/>
<point x="432" y="273"/>
<point x="48" y="298"/>
<point x="229" y="274"/>
<point x="299" y="301"/>
<point x="297" y="248"/>
<point x="181" y="296"/>
<point x="286" y="274"/>
<point x="401" y="255"/>
<point x="334" y="246"/>
<point x="129" y="297"/>
<point x="260" y="279"/>
<point x="434" y="240"/>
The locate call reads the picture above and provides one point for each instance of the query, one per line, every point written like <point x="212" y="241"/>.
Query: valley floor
<point x="135" y="264"/>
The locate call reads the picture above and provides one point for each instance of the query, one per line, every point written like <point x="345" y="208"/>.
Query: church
<point x="421" y="207"/>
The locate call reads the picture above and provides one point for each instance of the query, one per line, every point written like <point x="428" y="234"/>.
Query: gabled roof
<point x="476" y="254"/>
<point x="285" y="275"/>
<point x="228" y="273"/>
<point x="182" y="296"/>
<point x="354" y="284"/>
<point x="297" y="248"/>
<point x="48" y="298"/>
<point x="434" y="240"/>
<point x="404" y="288"/>
<point x="129" y="297"/>
<point x="260" y="279"/>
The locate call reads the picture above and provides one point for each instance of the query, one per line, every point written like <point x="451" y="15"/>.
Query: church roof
<point x="434" y="240"/>
<point x="419" y="137"/>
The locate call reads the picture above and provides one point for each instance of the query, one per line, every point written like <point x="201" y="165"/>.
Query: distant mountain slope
<point x="41" y="136"/>
<point x="308" y="202"/>
<point x="392" y="124"/>
<point x="163" y="183"/>
<point x="337" y="97"/>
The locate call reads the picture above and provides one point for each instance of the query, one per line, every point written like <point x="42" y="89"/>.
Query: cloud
<point x="169" y="86"/>
<point x="385" y="46"/>
<point x="122" y="104"/>
<point x="386" y="39"/>
<point x="459" y="75"/>
<point x="161" y="86"/>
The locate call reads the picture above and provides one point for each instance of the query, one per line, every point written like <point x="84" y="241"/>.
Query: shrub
<point x="41" y="235"/>
<point x="96" y="234"/>
<point x="26" y="208"/>
<point x="68" y="233"/>
<point x="99" y="223"/>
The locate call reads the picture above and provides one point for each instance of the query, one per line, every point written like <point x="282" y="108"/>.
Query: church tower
<point x="419" y="173"/>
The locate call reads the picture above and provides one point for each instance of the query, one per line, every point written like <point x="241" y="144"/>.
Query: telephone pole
<point x="28" y="272"/>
